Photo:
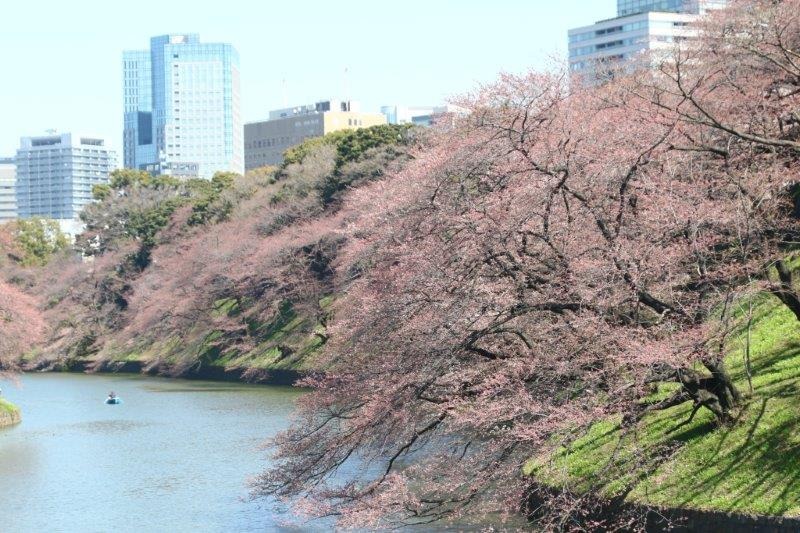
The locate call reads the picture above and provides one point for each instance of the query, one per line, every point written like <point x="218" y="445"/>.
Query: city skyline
<point x="409" y="53"/>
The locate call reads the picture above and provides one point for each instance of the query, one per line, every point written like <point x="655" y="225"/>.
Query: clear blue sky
<point x="61" y="61"/>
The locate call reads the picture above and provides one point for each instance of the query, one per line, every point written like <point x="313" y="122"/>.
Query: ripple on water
<point x="94" y="427"/>
<point x="109" y="426"/>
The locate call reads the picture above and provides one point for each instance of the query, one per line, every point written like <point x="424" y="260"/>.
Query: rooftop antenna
<point x="346" y="88"/>
<point x="283" y="89"/>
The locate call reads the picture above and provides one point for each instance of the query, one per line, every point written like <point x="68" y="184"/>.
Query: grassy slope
<point x="750" y="467"/>
<point x="289" y="341"/>
<point x="7" y="407"/>
<point x="286" y="343"/>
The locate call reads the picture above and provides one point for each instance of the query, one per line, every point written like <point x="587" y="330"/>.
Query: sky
<point x="62" y="61"/>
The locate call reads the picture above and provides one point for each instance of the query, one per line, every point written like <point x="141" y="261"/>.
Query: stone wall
<point x="9" y="419"/>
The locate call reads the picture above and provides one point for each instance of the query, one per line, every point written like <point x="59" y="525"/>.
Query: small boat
<point x="114" y="401"/>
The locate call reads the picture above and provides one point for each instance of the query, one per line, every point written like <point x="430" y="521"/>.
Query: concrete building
<point x="182" y="107"/>
<point x="265" y="141"/>
<point x="640" y="26"/>
<point x="55" y="174"/>
<point x="417" y="115"/>
<point x="8" y="198"/>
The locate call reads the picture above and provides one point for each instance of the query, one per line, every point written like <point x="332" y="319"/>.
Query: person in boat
<point x="111" y="395"/>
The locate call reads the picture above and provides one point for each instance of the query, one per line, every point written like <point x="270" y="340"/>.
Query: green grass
<point x="225" y="306"/>
<point x="752" y="466"/>
<point x="7" y="407"/>
<point x="289" y="341"/>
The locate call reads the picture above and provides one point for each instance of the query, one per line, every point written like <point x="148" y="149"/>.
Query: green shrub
<point x="39" y="240"/>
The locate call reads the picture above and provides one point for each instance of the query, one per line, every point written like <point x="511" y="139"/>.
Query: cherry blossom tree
<point x="543" y="262"/>
<point x="21" y="325"/>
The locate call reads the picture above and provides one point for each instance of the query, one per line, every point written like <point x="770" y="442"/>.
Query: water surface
<point x="175" y="456"/>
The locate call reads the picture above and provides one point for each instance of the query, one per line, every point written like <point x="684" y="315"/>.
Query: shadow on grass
<point x="696" y="432"/>
<point x="770" y="363"/>
<point x="588" y="443"/>
<point x="765" y="307"/>
<point x="751" y="466"/>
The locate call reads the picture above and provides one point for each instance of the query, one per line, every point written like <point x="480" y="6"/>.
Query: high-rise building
<point x="265" y="141"/>
<point x="640" y="26"/>
<point x="55" y="174"/>
<point x="182" y="107"/>
<point x="137" y="138"/>
<point x="8" y="195"/>
<point x="695" y="7"/>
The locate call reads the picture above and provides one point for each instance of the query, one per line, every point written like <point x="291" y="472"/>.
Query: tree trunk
<point x="785" y="290"/>
<point x="716" y="393"/>
<point x="723" y="382"/>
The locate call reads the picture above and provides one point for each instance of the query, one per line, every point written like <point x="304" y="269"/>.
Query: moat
<point x="175" y="456"/>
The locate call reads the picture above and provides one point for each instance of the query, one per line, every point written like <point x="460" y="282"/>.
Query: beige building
<point x="265" y="141"/>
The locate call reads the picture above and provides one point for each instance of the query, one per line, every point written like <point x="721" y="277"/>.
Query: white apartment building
<point x="640" y="26"/>
<point x="8" y="195"/>
<point x="56" y="173"/>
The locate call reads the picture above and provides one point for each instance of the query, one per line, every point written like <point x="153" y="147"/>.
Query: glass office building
<point x="137" y="136"/>
<point x="56" y="173"/>
<point x="695" y="7"/>
<point x="182" y="107"/>
<point x="640" y="26"/>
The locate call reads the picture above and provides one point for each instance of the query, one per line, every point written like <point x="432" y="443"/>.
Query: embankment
<point x="204" y="372"/>
<point x="9" y="414"/>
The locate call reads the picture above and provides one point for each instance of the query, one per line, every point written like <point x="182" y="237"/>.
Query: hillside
<point x="229" y="277"/>
<point x="669" y="461"/>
